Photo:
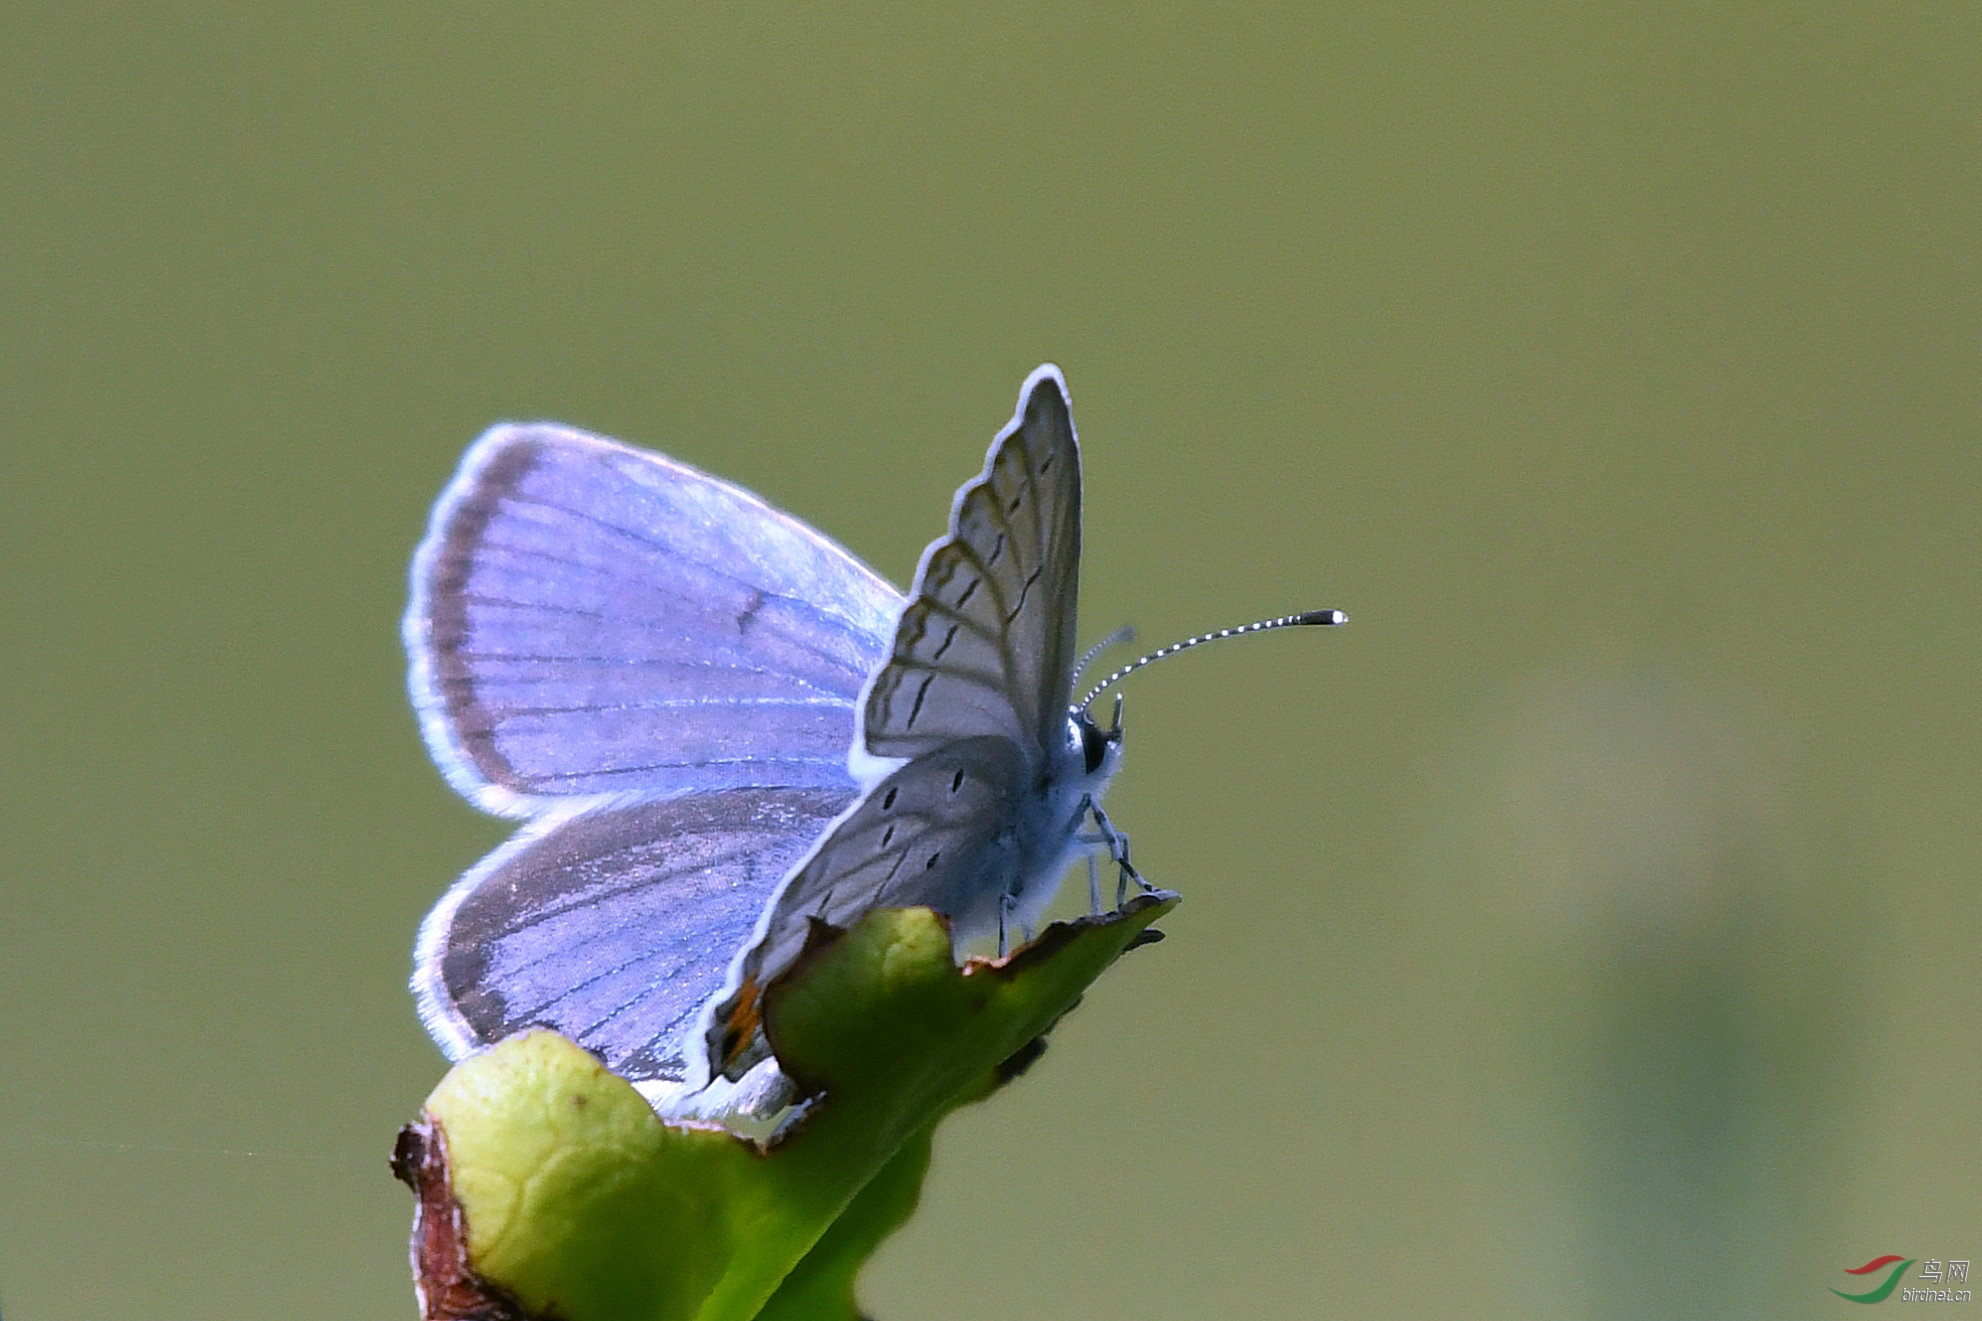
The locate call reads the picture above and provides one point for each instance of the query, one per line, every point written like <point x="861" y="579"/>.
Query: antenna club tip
<point x="1324" y="617"/>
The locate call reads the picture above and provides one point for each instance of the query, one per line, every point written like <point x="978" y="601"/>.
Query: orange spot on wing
<point x="745" y="1018"/>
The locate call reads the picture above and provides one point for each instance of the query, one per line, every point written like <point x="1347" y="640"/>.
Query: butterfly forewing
<point x="588" y="618"/>
<point x="612" y="926"/>
<point x="986" y="644"/>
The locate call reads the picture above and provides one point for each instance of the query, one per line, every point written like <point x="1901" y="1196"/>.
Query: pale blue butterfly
<point x="720" y="725"/>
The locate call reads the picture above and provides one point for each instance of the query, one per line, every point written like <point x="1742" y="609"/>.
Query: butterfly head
<point x="1099" y="748"/>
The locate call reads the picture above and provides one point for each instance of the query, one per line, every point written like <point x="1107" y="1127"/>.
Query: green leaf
<point x="820" y="1287"/>
<point x="549" y="1186"/>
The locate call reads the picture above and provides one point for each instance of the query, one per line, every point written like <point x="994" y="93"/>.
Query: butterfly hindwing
<point x="613" y="925"/>
<point x="937" y="833"/>
<point x="588" y="618"/>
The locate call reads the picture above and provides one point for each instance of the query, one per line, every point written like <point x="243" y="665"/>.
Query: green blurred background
<point x="1588" y="930"/>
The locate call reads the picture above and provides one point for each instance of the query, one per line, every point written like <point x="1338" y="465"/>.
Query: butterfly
<point x="718" y="725"/>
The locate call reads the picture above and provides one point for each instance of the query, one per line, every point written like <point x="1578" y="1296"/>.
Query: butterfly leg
<point x="1096" y="842"/>
<point x="1118" y="849"/>
<point x="1005" y="904"/>
<point x="1098" y="845"/>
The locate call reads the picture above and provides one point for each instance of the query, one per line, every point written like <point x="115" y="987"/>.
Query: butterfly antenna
<point x="1324" y="617"/>
<point x="1126" y="633"/>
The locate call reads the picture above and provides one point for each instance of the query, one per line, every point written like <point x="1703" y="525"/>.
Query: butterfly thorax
<point x="1050" y="824"/>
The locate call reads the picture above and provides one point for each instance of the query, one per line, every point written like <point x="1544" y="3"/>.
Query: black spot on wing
<point x="749" y="613"/>
<point x="921" y="694"/>
<point x="1024" y="592"/>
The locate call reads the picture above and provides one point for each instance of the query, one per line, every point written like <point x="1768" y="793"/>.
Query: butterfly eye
<point x="1094" y="742"/>
<point x="956" y="781"/>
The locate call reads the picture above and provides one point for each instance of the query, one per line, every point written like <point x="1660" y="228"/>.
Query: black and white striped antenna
<point x="1322" y="617"/>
